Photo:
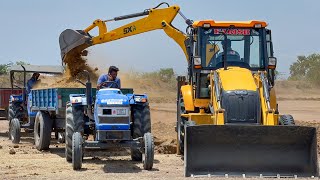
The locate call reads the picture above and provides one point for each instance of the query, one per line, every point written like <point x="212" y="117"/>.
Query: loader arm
<point x="156" y="18"/>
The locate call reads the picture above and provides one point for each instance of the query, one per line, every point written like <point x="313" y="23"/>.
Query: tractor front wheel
<point x="148" y="156"/>
<point x="15" y="131"/>
<point x="77" y="152"/>
<point x="141" y="125"/>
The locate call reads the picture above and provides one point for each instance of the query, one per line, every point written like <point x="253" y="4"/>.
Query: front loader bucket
<point x="73" y="40"/>
<point x="250" y="151"/>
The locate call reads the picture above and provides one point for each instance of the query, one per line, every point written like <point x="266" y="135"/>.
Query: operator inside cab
<point x="32" y="81"/>
<point x="109" y="80"/>
<point x="232" y="55"/>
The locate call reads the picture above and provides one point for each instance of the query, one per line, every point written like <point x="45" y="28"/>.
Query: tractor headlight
<point x="75" y="100"/>
<point x="140" y="99"/>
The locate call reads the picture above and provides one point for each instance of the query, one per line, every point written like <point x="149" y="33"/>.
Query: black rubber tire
<point x="42" y="131"/>
<point x="141" y="125"/>
<point x="15" y="130"/>
<point x="77" y="151"/>
<point x="286" y="120"/>
<point x="148" y="156"/>
<point x="180" y="127"/>
<point x="10" y="117"/>
<point x="74" y="123"/>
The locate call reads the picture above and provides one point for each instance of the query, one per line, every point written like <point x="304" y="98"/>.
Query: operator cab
<point x="230" y="44"/>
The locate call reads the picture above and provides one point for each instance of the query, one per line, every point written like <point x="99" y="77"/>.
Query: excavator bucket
<point x="73" y="41"/>
<point x="265" y="151"/>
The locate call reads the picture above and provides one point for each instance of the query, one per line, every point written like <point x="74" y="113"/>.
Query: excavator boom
<point x="75" y="41"/>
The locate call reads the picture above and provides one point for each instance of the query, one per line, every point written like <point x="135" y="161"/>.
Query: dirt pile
<point x="165" y="146"/>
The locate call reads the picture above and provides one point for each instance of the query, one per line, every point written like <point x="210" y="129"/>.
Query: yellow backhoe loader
<point x="227" y="114"/>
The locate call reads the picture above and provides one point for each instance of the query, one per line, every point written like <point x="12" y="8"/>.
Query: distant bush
<point x="164" y="75"/>
<point x="306" y="68"/>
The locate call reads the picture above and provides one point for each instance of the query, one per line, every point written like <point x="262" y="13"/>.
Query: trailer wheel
<point x="141" y="125"/>
<point x="148" y="156"/>
<point x="74" y="123"/>
<point x="77" y="153"/>
<point x="15" y="130"/>
<point x="42" y="131"/>
<point x="286" y="120"/>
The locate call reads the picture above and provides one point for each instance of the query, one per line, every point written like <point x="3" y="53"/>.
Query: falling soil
<point x="77" y="64"/>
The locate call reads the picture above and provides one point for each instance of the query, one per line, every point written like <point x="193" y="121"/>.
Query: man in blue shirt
<point x="32" y="81"/>
<point x="109" y="80"/>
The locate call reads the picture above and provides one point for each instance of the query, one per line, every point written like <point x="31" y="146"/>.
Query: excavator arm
<point x="75" y="41"/>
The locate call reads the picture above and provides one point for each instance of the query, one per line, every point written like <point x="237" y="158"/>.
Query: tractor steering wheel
<point x="108" y="84"/>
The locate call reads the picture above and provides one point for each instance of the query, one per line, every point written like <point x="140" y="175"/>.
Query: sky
<point x="30" y="30"/>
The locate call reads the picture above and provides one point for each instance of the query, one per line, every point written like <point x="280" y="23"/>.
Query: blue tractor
<point x="114" y="118"/>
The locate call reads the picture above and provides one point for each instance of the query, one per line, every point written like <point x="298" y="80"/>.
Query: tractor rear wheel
<point x="74" y="123"/>
<point x="141" y="125"/>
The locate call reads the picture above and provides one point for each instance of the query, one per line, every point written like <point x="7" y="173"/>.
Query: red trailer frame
<point x="4" y="100"/>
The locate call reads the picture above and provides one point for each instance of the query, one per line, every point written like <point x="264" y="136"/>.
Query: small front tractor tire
<point x="148" y="156"/>
<point x="141" y="125"/>
<point x="15" y="130"/>
<point x="77" y="151"/>
<point x="74" y="123"/>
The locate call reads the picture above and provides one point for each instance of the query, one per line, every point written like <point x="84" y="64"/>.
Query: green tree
<point x="3" y="69"/>
<point x="306" y="68"/>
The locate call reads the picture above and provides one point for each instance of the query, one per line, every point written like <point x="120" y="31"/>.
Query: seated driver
<point x="232" y="55"/>
<point x="109" y="80"/>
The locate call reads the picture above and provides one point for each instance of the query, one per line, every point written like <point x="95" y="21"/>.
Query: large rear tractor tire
<point x="77" y="152"/>
<point x="141" y="125"/>
<point x="148" y="156"/>
<point x="286" y="120"/>
<point x="74" y="123"/>
<point x="42" y="131"/>
<point x="15" y="130"/>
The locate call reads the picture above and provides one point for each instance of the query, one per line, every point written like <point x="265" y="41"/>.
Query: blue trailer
<point x="48" y="107"/>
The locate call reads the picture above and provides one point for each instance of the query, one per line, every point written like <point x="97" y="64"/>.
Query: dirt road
<point x="28" y="163"/>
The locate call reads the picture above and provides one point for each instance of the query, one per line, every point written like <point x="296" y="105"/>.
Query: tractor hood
<point x="111" y="97"/>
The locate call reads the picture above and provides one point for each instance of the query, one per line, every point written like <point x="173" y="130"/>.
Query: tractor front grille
<point x="113" y="120"/>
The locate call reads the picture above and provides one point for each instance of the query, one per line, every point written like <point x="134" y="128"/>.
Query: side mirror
<point x="272" y="64"/>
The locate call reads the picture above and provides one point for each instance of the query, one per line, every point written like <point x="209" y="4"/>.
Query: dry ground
<point x="28" y="163"/>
